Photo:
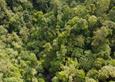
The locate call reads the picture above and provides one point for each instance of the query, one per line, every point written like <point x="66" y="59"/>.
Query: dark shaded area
<point x="41" y="5"/>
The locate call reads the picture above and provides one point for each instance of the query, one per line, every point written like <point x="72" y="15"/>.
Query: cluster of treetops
<point x="57" y="40"/>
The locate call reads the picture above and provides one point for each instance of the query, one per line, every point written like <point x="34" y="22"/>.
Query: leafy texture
<point x="57" y="40"/>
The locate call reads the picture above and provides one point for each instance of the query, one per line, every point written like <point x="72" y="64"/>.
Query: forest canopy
<point x="57" y="40"/>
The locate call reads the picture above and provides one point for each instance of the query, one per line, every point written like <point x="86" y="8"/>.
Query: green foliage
<point x="100" y="62"/>
<point x="92" y="20"/>
<point x="57" y="40"/>
<point x="90" y="80"/>
<point x="112" y="62"/>
<point x="102" y="6"/>
<point x="111" y="14"/>
<point x="106" y="72"/>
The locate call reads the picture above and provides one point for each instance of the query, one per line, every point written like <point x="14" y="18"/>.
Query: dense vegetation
<point x="57" y="40"/>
